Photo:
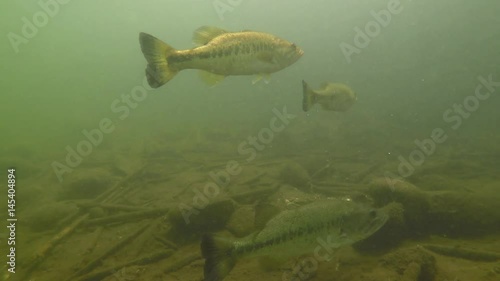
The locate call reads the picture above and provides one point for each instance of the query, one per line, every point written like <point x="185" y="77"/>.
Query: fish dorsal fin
<point x="205" y="34"/>
<point x="267" y="57"/>
<point x="263" y="213"/>
<point x="210" y="78"/>
<point x="324" y="85"/>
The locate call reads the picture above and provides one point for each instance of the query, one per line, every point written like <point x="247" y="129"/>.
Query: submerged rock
<point x="415" y="201"/>
<point x="242" y="222"/>
<point x="86" y="183"/>
<point x="452" y="213"/>
<point x="189" y="222"/>
<point x="412" y="264"/>
<point x="294" y="174"/>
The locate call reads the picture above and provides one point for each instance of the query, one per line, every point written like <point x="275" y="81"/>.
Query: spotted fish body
<point x="220" y="53"/>
<point x="293" y="233"/>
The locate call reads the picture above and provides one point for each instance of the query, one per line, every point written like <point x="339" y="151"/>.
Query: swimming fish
<point x="293" y="233"/>
<point x="220" y="53"/>
<point x="331" y="96"/>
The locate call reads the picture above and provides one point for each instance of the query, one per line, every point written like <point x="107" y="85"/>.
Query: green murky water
<point x="87" y="136"/>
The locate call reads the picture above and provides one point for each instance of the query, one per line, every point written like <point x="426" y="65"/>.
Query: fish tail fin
<point x="219" y="259"/>
<point x="156" y="53"/>
<point x="308" y="96"/>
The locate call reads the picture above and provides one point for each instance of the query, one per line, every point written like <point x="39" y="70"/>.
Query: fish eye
<point x="294" y="46"/>
<point x="373" y="213"/>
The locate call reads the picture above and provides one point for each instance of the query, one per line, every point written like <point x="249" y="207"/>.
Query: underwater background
<point x="77" y="120"/>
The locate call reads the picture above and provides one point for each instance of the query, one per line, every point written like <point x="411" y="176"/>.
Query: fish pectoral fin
<point x="205" y="34"/>
<point x="267" y="78"/>
<point x="263" y="76"/>
<point x="267" y="57"/>
<point x="210" y="78"/>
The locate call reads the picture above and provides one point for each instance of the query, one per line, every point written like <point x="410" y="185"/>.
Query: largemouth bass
<point x="331" y="96"/>
<point x="294" y="233"/>
<point x="220" y="53"/>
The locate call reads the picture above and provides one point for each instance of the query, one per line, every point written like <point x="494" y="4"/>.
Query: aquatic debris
<point x="147" y="259"/>
<point x="47" y="248"/>
<point x="180" y="263"/>
<point x="123" y="242"/>
<point x="130" y="216"/>
<point x="463" y="253"/>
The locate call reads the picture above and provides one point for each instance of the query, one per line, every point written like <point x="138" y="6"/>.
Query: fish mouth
<point x="295" y="56"/>
<point x="300" y="52"/>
